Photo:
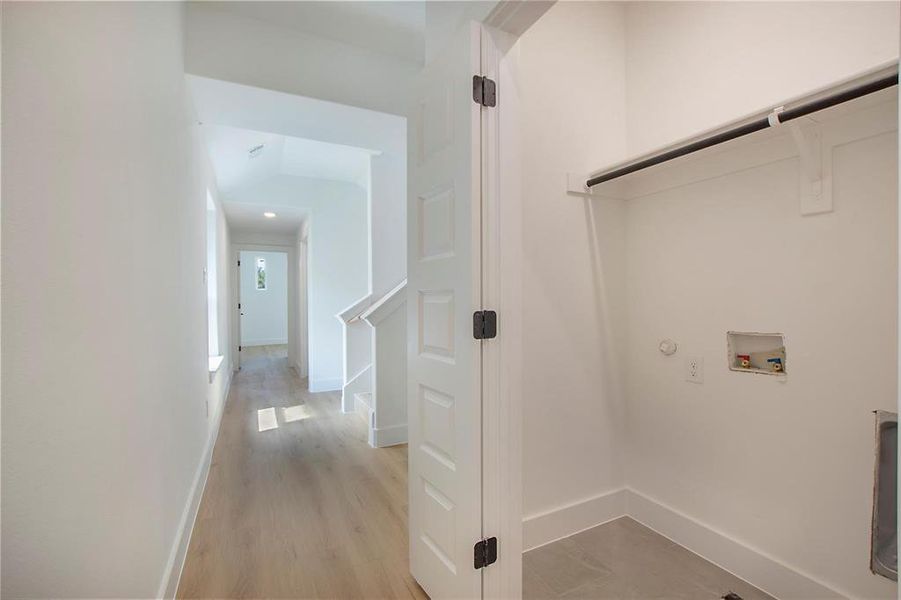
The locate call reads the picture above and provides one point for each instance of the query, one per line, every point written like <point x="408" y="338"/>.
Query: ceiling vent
<point x="255" y="151"/>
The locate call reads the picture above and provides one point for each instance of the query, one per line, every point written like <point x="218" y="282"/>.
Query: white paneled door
<point x="444" y="375"/>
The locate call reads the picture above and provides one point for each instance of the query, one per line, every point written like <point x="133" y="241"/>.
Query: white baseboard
<point x="754" y="566"/>
<point x="564" y="521"/>
<point x="325" y="385"/>
<point x="383" y="437"/>
<point x="175" y="564"/>
<point x="275" y="342"/>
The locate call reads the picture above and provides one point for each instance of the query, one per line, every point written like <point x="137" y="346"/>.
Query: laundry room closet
<point x="710" y="346"/>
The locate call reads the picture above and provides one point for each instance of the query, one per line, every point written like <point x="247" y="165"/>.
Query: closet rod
<point x="771" y="120"/>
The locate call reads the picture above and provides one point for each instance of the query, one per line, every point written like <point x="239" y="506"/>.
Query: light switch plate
<point x="694" y="369"/>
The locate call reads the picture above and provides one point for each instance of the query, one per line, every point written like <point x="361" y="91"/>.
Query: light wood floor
<point x="625" y="559"/>
<point x="306" y="510"/>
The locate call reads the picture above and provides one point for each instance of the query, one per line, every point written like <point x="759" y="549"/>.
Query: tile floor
<point x="625" y="559"/>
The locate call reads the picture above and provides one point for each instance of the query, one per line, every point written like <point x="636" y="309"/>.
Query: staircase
<point x="375" y="365"/>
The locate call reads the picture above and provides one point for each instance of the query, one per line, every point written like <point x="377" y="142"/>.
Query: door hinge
<point x="484" y="324"/>
<point x="484" y="91"/>
<point x="239" y="348"/>
<point x="485" y="553"/>
<point x="239" y="306"/>
<point x="239" y="263"/>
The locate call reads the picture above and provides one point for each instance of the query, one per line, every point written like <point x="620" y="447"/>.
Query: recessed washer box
<point x="754" y="352"/>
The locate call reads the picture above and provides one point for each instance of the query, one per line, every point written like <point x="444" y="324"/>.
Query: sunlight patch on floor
<point x="298" y="412"/>
<point x="266" y="419"/>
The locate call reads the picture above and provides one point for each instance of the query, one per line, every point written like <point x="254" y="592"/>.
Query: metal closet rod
<point x="771" y="120"/>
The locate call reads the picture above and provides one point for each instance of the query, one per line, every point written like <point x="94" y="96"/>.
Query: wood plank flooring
<point x="305" y="510"/>
<point x="625" y="559"/>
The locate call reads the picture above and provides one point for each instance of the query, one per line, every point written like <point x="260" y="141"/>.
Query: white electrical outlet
<point x="694" y="369"/>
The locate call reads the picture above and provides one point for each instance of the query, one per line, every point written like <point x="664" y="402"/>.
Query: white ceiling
<point x="234" y="167"/>
<point x="321" y="160"/>
<point x="387" y="27"/>
<point x="256" y="109"/>
<point x="249" y="218"/>
<point x="302" y="137"/>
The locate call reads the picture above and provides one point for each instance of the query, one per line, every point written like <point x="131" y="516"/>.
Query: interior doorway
<point x="268" y="290"/>
<point x="263" y="299"/>
<point x="406" y="357"/>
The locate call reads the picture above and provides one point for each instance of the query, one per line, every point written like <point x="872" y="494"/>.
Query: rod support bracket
<point x="773" y="117"/>
<point x="815" y="196"/>
<point x="807" y="140"/>
<point x="575" y="184"/>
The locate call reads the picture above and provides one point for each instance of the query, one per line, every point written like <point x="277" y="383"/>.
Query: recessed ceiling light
<point x="269" y="215"/>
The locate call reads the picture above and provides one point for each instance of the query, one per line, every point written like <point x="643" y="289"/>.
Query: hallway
<point x="303" y="510"/>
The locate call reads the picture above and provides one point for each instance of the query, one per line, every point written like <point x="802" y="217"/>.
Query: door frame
<point x="295" y="320"/>
<point x="501" y="292"/>
<point x="502" y="267"/>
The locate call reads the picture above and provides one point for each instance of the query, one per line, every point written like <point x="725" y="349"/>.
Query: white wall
<point x="797" y="497"/>
<point x="104" y="324"/>
<point x="783" y="466"/>
<point x="229" y="47"/>
<point x="388" y="218"/>
<point x="337" y="248"/>
<point x="692" y="66"/>
<point x="242" y="237"/>
<point x="265" y="312"/>
<point x="571" y="404"/>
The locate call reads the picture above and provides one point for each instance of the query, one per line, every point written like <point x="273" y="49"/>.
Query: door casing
<point x="295" y="322"/>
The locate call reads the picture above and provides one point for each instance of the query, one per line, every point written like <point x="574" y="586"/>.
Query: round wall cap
<point x="668" y="347"/>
